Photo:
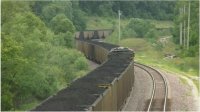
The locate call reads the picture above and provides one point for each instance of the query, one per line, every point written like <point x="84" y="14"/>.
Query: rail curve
<point x="158" y="100"/>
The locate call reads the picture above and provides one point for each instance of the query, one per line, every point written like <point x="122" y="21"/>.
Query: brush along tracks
<point x="159" y="97"/>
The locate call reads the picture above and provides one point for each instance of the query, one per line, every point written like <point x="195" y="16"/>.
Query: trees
<point x="139" y="28"/>
<point x="61" y="24"/>
<point x="48" y="10"/>
<point x="79" y="19"/>
<point x="13" y="8"/>
<point x="105" y="9"/>
<point x="34" y="64"/>
<point x="160" y="10"/>
<point x="152" y="34"/>
<point x="63" y="28"/>
<point x="11" y="51"/>
<point x="52" y="9"/>
<point x="186" y="27"/>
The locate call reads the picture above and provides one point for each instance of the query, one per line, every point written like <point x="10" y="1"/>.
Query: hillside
<point x="151" y="52"/>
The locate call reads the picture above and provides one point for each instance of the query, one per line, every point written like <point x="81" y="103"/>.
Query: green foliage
<point x="81" y="64"/>
<point x="139" y="28"/>
<point x="152" y="34"/>
<point x="64" y="39"/>
<point x="129" y="33"/>
<point x="106" y="10"/>
<point x="6" y="98"/>
<point x="54" y="8"/>
<point x="79" y="19"/>
<point x="64" y="29"/>
<point x="36" y="62"/>
<point x="160" y="10"/>
<point x="61" y="24"/>
<point x="48" y="10"/>
<point x="10" y="8"/>
<point x="194" y="27"/>
<point x="148" y="54"/>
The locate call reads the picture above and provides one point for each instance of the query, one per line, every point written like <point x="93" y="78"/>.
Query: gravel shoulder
<point x="183" y="92"/>
<point x="141" y="92"/>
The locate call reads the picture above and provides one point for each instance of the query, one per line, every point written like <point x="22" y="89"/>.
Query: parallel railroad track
<point x="158" y="100"/>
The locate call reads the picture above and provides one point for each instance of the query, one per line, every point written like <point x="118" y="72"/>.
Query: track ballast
<point x="159" y="97"/>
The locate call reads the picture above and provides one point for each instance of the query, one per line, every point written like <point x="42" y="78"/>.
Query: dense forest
<point x="161" y="10"/>
<point x="186" y="31"/>
<point x="38" y="57"/>
<point x="37" y="41"/>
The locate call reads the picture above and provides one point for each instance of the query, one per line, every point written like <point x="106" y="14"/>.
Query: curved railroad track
<point x="158" y="100"/>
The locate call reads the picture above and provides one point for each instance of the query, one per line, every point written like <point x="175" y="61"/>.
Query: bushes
<point x="6" y="97"/>
<point x="81" y="64"/>
<point x="79" y="19"/>
<point x="64" y="29"/>
<point x="61" y="24"/>
<point x="152" y="33"/>
<point x="70" y="9"/>
<point x="160" y="10"/>
<point x="54" y="8"/>
<point x="139" y="28"/>
<point x="36" y="62"/>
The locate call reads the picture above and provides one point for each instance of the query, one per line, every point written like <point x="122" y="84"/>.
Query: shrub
<point x="61" y="24"/>
<point x="137" y="28"/>
<point x="81" y="64"/>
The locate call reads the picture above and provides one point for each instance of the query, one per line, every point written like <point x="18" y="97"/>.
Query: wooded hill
<point x="37" y="39"/>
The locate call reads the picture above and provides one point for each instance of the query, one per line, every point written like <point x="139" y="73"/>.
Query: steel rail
<point x="154" y="86"/>
<point x="165" y="83"/>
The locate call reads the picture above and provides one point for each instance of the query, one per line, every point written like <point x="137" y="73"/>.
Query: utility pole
<point x="188" y="33"/>
<point x="119" y="13"/>
<point x="181" y="29"/>
<point x="184" y="29"/>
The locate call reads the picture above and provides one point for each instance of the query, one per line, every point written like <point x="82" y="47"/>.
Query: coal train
<point x="104" y="89"/>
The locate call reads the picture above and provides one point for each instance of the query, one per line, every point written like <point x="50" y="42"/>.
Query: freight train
<point x="104" y="89"/>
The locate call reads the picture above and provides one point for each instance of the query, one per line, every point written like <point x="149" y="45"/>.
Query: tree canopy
<point x="160" y="10"/>
<point x="36" y="60"/>
<point x="181" y="18"/>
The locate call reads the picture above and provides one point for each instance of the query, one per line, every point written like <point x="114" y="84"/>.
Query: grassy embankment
<point x="151" y="53"/>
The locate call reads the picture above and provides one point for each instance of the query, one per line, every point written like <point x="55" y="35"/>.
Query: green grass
<point x="28" y="106"/>
<point x="147" y="54"/>
<point x="162" y="24"/>
<point x="100" y="23"/>
<point x="183" y="80"/>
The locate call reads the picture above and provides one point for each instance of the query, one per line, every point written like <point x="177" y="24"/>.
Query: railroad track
<point x="158" y="100"/>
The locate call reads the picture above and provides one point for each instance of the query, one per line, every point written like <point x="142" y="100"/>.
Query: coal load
<point x="83" y="92"/>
